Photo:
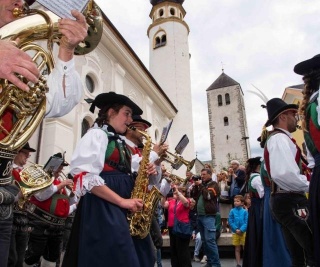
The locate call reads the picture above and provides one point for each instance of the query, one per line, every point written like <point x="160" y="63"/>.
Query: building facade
<point x="227" y="122"/>
<point x="112" y="66"/>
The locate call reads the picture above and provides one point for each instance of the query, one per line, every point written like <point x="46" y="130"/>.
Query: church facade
<point x="114" y="66"/>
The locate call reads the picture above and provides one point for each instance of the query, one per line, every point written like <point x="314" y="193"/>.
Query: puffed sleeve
<point x="88" y="158"/>
<point x="60" y="101"/>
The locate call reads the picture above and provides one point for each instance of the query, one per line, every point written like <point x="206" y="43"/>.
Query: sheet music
<point x="53" y="164"/>
<point x="62" y="8"/>
<point x="182" y="144"/>
<point x="165" y="132"/>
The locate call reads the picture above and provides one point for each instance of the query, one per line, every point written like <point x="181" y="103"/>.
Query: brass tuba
<point x="28" y="108"/>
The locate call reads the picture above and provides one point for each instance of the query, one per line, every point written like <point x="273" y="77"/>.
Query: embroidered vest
<point x="58" y="204"/>
<point x="118" y="155"/>
<point x="312" y="133"/>
<point x="266" y="154"/>
<point x="252" y="191"/>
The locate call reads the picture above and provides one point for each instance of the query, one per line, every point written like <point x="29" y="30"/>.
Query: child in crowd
<point x="238" y="219"/>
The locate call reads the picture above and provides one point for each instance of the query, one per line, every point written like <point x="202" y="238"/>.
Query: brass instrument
<point x="178" y="161"/>
<point x="33" y="179"/>
<point x="29" y="108"/>
<point x="140" y="221"/>
<point x="173" y="178"/>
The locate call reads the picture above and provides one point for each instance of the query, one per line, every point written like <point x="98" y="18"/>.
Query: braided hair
<point x="311" y="85"/>
<point x="103" y="117"/>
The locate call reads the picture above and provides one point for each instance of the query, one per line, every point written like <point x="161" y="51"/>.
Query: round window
<point x="89" y="84"/>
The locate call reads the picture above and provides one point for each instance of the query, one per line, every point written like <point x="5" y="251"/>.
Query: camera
<point x="196" y="177"/>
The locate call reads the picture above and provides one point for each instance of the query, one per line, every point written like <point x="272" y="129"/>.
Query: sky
<point x="258" y="42"/>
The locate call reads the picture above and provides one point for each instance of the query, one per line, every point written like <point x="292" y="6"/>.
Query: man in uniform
<point x="48" y="210"/>
<point x="21" y="228"/>
<point x="288" y="200"/>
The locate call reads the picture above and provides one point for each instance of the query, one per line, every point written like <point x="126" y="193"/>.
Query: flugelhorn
<point x="177" y="161"/>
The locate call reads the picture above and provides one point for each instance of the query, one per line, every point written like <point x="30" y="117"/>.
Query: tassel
<point x="264" y="136"/>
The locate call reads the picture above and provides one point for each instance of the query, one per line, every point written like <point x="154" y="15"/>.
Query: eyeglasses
<point x="27" y="154"/>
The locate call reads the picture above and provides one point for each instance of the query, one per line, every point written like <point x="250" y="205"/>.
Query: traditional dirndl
<point x="100" y="235"/>
<point x="275" y="252"/>
<point x="253" y="249"/>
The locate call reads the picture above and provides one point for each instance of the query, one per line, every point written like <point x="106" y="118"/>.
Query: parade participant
<point x="252" y="255"/>
<point x="206" y="194"/>
<point x="277" y="256"/>
<point x="21" y="228"/>
<point x="309" y="111"/>
<point x="48" y="210"/>
<point x="288" y="201"/>
<point x="238" y="219"/>
<point x="101" y="166"/>
<point x="65" y="91"/>
<point x="134" y="140"/>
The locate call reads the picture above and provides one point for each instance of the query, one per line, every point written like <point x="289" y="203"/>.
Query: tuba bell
<point x="28" y="108"/>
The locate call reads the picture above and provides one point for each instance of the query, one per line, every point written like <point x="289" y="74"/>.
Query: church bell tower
<point x="170" y="65"/>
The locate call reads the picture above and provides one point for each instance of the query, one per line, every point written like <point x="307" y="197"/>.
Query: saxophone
<point x="140" y="221"/>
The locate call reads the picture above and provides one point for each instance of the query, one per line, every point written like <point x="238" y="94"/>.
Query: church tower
<point x="227" y="122"/>
<point x="170" y="65"/>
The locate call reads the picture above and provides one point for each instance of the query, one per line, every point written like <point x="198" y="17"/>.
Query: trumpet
<point x="175" y="179"/>
<point x="177" y="161"/>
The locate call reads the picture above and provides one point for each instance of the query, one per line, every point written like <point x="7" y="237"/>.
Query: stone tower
<point x="227" y="122"/>
<point x="170" y="65"/>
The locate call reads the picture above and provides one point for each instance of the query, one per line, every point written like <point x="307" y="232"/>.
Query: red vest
<point x="58" y="204"/>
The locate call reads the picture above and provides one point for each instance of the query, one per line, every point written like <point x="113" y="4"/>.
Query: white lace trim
<point x="88" y="182"/>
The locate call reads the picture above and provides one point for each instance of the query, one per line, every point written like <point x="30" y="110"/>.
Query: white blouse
<point x="256" y="183"/>
<point x="89" y="156"/>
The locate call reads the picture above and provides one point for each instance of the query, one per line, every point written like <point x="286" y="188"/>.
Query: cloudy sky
<point x="259" y="42"/>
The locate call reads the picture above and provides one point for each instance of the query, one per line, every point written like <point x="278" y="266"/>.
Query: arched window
<point x="219" y="100"/>
<point x="161" y="12"/>
<point x="84" y="126"/>
<point x="172" y="11"/>
<point x="160" y="39"/>
<point x="226" y="121"/>
<point x="227" y="97"/>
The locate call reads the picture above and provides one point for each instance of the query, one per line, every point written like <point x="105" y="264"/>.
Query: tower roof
<point x="222" y="81"/>
<point x="155" y="2"/>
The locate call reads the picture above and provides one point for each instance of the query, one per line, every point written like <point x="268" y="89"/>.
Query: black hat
<point x="254" y="161"/>
<point x="275" y="107"/>
<point x="137" y="118"/>
<point x="110" y="98"/>
<point x="27" y="147"/>
<point x="308" y="65"/>
<point x="59" y="155"/>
